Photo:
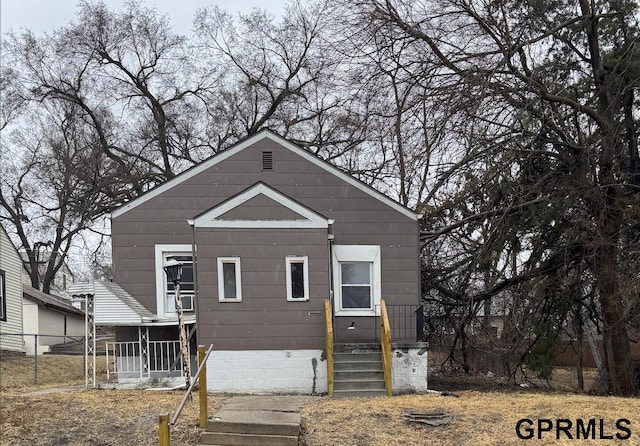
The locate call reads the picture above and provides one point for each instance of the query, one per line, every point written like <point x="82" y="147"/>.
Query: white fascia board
<point x="231" y="151"/>
<point x="188" y="174"/>
<point x="267" y="224"/>
<point x="343" y="176"/>
<point x="210" y="218"/>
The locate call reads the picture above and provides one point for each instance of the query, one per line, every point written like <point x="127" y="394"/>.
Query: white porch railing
<point x="157" y="359"/>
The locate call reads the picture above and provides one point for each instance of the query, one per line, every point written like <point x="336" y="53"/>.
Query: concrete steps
<point x="358" y="370"/>
<point x="255" y="421"/>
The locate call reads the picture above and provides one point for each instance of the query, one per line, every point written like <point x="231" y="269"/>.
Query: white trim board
<point x="159" y="252"/>
<point x="357" y="253"/>
<point x="209" y="219"/>
<point x="238" y="147"/>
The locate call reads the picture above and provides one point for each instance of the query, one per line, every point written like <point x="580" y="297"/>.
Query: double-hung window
<point x="297" y="276"/>
<point x="187" y="288"/>
<point x="357" y="279"/>
<point x="356" y="285"/>
<point x="229" y="279"/>
<point x="165" y="290"/>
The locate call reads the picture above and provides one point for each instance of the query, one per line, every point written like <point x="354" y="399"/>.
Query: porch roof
<point x="50" y="301"/>
<point x="116" y="307"/>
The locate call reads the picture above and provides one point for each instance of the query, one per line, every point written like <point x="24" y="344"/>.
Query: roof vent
<point x="267" y="160"/>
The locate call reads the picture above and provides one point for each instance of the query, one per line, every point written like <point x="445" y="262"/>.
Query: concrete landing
<point x="256" y="420"/>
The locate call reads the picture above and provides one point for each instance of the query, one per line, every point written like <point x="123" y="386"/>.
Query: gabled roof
<point x="249" y="141"/>
<point x="50" y="301"/>
<point x="213" y="218"/>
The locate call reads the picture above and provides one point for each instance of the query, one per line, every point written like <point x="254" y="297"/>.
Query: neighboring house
<point x="11" y="271"/>
<point x="266" y="232"/>
<point x="62" y="279"/>
<point x="52" y="318"/>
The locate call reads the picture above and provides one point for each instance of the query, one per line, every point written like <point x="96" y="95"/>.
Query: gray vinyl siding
<point x="11" y="264"/>
<point x="263" y="206"/>
<point x="264" y="319"/>
<point x="359" y="219"/>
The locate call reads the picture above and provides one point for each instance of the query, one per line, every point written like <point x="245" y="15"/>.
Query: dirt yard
<point x="127" y="418"/>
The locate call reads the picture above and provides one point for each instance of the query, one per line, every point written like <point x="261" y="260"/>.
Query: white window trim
<point x="161" y="276"/>
<point x="236" y="262"/>
<point x="305" y="268"/>
<point x="309" y="219"/>
<point x="357" y="253"/>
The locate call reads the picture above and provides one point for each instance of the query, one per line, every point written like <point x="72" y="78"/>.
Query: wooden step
<point x="236" y="439"/>
<point x="263" y="427"/>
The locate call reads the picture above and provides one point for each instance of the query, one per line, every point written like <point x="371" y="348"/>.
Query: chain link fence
<point x="46" y="360"/>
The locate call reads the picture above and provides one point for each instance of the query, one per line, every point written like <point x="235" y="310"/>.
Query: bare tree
<point x="55" y="181"/>
<point x="547" y="98"/>
<point x="286" y="75"/>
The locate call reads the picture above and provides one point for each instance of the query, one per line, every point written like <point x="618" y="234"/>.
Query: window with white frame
<point x="229" y="279"/>
<point x="165" y="290"/>
<point x="357" y="279"/>
<point x="297" y="276"/>
<point x="187" y="285"/>
<point x="3" y="297"/>
<point x="355" y="285"/>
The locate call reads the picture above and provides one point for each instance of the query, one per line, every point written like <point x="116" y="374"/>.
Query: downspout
<point x="196" y="294"/>
<point x="330" y="237"/>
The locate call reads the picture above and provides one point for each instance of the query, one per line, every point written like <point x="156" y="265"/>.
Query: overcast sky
<point x="47" y="15"/>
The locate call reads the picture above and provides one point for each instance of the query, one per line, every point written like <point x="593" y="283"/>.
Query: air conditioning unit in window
<point x="187" y="303"/>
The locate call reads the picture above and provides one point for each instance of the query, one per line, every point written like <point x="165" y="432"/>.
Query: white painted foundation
<point x="409" y="367"/>
<point x="267" y="371"/>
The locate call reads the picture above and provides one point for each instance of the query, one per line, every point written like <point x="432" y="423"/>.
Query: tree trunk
<point x="580" y="351"/>
<point x="606" y="253"/>
<point x="608" y="217"/>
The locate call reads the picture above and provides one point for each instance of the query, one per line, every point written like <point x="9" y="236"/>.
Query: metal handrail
<point x="406" y="322"/>
<point x="385" y="340"/>
<point x="329" y="345"/>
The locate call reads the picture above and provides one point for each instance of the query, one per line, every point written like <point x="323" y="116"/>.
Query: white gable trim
<point x="209" y="219"/>
<point x="231" y="151"/>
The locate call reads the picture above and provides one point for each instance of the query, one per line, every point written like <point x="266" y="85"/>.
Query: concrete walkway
<point x="256" y="419"/>
<point x="55" y="390"/>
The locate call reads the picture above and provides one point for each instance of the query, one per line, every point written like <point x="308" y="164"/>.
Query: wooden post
<point x="385" y="336"/>
<point x="202" y="389"/>
<point x="329" y="345"/>
<point x="164" y="435"/>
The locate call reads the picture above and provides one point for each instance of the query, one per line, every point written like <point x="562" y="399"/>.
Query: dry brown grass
<point x="85" y="417"/>
<point x="97" y="418"/>
<point x="18" y="372"/>
<point x="479" y="419"/>
<point x="130" y="417"/>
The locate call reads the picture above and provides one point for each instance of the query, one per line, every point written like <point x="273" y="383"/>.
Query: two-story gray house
<point x="266" y="232"/>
